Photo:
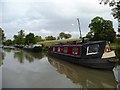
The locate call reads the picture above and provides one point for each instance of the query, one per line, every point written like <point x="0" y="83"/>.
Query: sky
<point x="50" y="17"/>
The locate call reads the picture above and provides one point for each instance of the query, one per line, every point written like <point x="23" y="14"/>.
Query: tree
<point x="58" y="38"/>
<point x="8" y="42"/>
<point x="115" y="9"/>
<point x="50" y="38"/>
<point x="66" y="36"/>
<point x="38" y="38"/>
<point x="21" y="33"/>
<point x="2" y="35"/>
<point x="116" y="15"/>
<point x="61" y="35"/>
<point x="19" y="39"/>
<point x="102" y="29"/>
<point x="30" y="38"/>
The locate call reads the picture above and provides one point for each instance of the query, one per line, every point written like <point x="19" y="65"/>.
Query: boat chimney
<point x="79" y="27"/>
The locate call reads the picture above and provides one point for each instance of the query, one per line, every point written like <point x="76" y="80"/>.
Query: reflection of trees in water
<point x="29" y="56"/>
<point x="85" y="77"/>
<point x="19" y="55"/>
<point x="39" y="55"/>
<point x="2" y="55"/>
<point x="7" y="49"/>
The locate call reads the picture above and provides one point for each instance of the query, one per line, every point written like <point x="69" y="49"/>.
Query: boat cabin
<point x="84" y="50"/>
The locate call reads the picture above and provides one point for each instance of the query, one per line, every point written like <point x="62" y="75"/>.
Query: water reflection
<point x="9" y="49"/>
<point x="36" y="71"/>
<point x="2" y="55"/>
<point x="39" y="55"/>
<point x="29" y="56"/>
<point x="116" y="71"/>
<point x="38" y="74"/>
<point x="85" y="77"/>
<point x="20" y="56"/>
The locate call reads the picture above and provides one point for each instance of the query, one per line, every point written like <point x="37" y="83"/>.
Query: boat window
<point x="75" y="50"/>
<point x="58" y="49"/>
<point x="53" y="49"/>
<point x="65" y="50"/>
<point x="92" y="49"/>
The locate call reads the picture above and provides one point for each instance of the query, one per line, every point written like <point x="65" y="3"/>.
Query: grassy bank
<point x="116" y="44"/>
<point x="113" y="46"/>
<point x="52" y="42"/>
<point x="49" y="43"/>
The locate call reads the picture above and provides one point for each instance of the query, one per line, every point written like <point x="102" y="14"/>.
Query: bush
<point x="117" y="50"/>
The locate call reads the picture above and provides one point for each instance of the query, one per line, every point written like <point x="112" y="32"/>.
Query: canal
<point x="22" y="69"/>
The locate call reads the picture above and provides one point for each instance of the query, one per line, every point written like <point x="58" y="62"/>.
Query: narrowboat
<point x="33" y="48"/>
<point x="8" y="47"/>
<point x="19" y="46"/>
<point x="1" y="46"/>
<point x="89" y="54"/>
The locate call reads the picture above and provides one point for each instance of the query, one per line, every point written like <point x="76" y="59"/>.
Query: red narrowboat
<point x="88" y="54"/>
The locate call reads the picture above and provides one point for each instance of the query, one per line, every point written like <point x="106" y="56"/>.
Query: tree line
<point x="2" y="35"/>
<point x="100" y="29"/>
<point x="31" y="38"/>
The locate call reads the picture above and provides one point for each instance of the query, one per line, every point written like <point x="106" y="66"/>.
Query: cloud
<point x="44" y="33"/>
<point x="50" y="17"/>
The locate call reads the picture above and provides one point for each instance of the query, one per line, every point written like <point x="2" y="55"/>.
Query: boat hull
<point x="96" y="63"/>
<point x="35" y="49"/>
<point x="21" y="47"/>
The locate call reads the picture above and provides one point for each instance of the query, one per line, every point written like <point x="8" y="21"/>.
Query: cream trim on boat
<point x="109" y="54"/>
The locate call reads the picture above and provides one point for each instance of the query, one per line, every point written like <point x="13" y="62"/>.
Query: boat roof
<point x="37" y="45"/>
<point x="79" y="44"/>
<point x="94" y="42"/>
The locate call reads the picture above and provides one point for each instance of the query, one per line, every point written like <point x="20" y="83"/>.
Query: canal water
<point x="22" y="69"/>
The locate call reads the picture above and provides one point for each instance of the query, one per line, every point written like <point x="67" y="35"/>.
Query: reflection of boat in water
<point x="89" y="54"/>
<point x="8" y="47"/>
<point x="116" y="71"/>
<point x="19" y="46"/>
<point x="33" y="48"/>
<point x="85" y="77"/>
<point x="1" y="46"/>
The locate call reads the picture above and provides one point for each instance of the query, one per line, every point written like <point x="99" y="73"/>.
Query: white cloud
<point x="49" y="17"/>
<point x="43" y="33"/>
<point x="75" y="34"/>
